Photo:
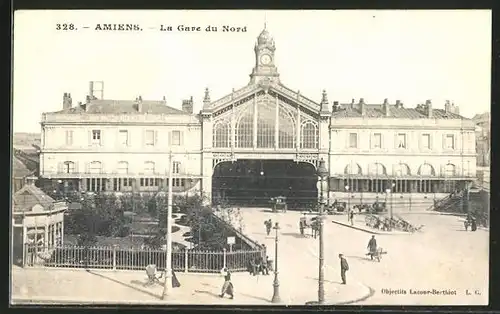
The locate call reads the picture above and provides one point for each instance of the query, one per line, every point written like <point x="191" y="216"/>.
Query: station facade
<point x="126" y="145"/>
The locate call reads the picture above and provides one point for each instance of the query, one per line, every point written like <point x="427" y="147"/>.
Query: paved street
<point x="79" y="286"/>
<point x="442" y="257"/>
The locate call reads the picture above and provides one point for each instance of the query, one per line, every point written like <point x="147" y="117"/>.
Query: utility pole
<point x="168" y="268"/>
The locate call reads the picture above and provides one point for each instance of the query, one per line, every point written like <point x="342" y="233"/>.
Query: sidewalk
<point x="49" y="285"/>
<point x="359" y="224"/>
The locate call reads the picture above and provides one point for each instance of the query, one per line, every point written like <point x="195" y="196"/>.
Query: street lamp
<point x="348" y="201"/>
<point x="276" y="284"/>
<point x="322" y="173"/>
<point x="168" y="265"/>
<point x="390" y="190"/>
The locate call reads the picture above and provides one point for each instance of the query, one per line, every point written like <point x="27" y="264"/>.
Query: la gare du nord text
<point x="169" y="28"/>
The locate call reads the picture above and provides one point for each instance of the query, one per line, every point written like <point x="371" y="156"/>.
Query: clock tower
<point x="265" y="68"/>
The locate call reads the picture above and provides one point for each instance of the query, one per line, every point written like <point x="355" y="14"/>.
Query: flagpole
<point x="168" y="268"/>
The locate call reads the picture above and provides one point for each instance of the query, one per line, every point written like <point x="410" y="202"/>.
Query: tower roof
<point x="265" y="38"/>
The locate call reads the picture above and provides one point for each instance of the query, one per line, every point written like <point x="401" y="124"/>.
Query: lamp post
<point x="276" y="284"/>
<point x="347" y="187"/>
<point x="389" y="191"/>
<point x="168" y="265"/>
<point x="322" y="173"/>
<point x="392" y="196"/>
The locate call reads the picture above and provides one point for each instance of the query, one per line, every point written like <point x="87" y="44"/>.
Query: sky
<point x="402" y="55"/>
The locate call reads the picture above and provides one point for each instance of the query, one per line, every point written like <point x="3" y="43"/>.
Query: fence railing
<point x="116" y="258"/>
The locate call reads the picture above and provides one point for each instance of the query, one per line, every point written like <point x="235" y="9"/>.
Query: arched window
<point x="244" y="129"/>
<point x="449" y="170"/>
<point x="377" y="169"/>
<point x="266" y="123"/>
<point x="95" y="167"/>
<point x="69" y="167"/>
<point x="402" y="170"/>
<point x="353" y="169"/>
<point x="426" y="170"/>
<point x="149" y="167"/>
<point x="286" y="126"/>
<point x="222" y="134"/>
<point x="122" y="167"/>
<point x="309" y="135"/>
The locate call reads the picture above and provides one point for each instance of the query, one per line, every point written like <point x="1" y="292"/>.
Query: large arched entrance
<point x="254" y="182"/>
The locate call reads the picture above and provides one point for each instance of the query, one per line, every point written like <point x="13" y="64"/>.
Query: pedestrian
<point x="301" y="227"/>
<point x="473" y="225"/>
<point x="227" y="287"/>
<point x="344" y="266"/>
<point x="268" y="224"/>
<point x="351" y="217"/>
<point x="372" y="247"/>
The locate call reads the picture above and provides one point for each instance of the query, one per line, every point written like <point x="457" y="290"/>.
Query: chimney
<point x="352" y="103"/>
<point x="447" y="106"/>
<point x="164" y="100"/>
<point x="362" y="106"/>
<point x="398" y="104"/>
<point x="456" y="109"/>
<point x="385" y="108"/>
<point x="91" y="89"/>
<point x="428" y="108"/>
<point x="335" y="106"/>
<point x="139" y="104"/>
<point x="187" y="105"/>
<point x="66" y="101"/>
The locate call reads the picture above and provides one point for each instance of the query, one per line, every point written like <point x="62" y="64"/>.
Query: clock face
<point x="265" y="59"/>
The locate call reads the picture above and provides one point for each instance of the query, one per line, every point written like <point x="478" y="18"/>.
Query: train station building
<point x="259" y="141"/>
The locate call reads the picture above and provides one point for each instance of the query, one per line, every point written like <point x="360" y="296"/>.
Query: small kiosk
<point x="37" y="223"/>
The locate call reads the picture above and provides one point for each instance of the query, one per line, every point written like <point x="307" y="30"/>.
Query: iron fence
<point x="116" y="258"/>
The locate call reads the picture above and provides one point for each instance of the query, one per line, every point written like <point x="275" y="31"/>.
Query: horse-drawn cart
<point x="279" y="204"/>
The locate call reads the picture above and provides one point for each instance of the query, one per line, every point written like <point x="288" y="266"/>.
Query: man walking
<point x="344" y="266"/>
<point x="351" y="217"/>
<point x="372" y="247"/>
<point x="227" y="287"/>
<point x="269" y="225"/>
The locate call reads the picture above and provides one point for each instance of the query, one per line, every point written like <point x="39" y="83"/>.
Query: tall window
<point x="426" y="170"/>
<point x="96" y="137"/>
<point x="122" y="167"/>
<point x="123" y="137"/>
<point x="150" y="138"/>
<point x="149" y="167"/>
<point x="377" y="169"/>
<point x="221" y="134"/>
<point x="69" y="167"/>
<point x="449" y="141"/>
<point x="286" y="126"/>
<point x="401" y="140"/>
<point x="377" y="140"/>
<point x="176" y="138"/>
<point x="176" y="166"/>
<point x="95" y="167"/>
<point x="309" y="135"/>
<point x="244" y="129"/>
<point x="426" y="141"/>
<point x="69" y="137"/>
<point x="449" y="170"/>
<point x="266" y="114"/>
<point x="353" y="140"/>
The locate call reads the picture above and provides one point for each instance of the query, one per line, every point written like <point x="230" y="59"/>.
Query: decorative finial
<point x="324" y="99"/>
<point x="207" y="95"/>
<point x="265" y="20"/>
